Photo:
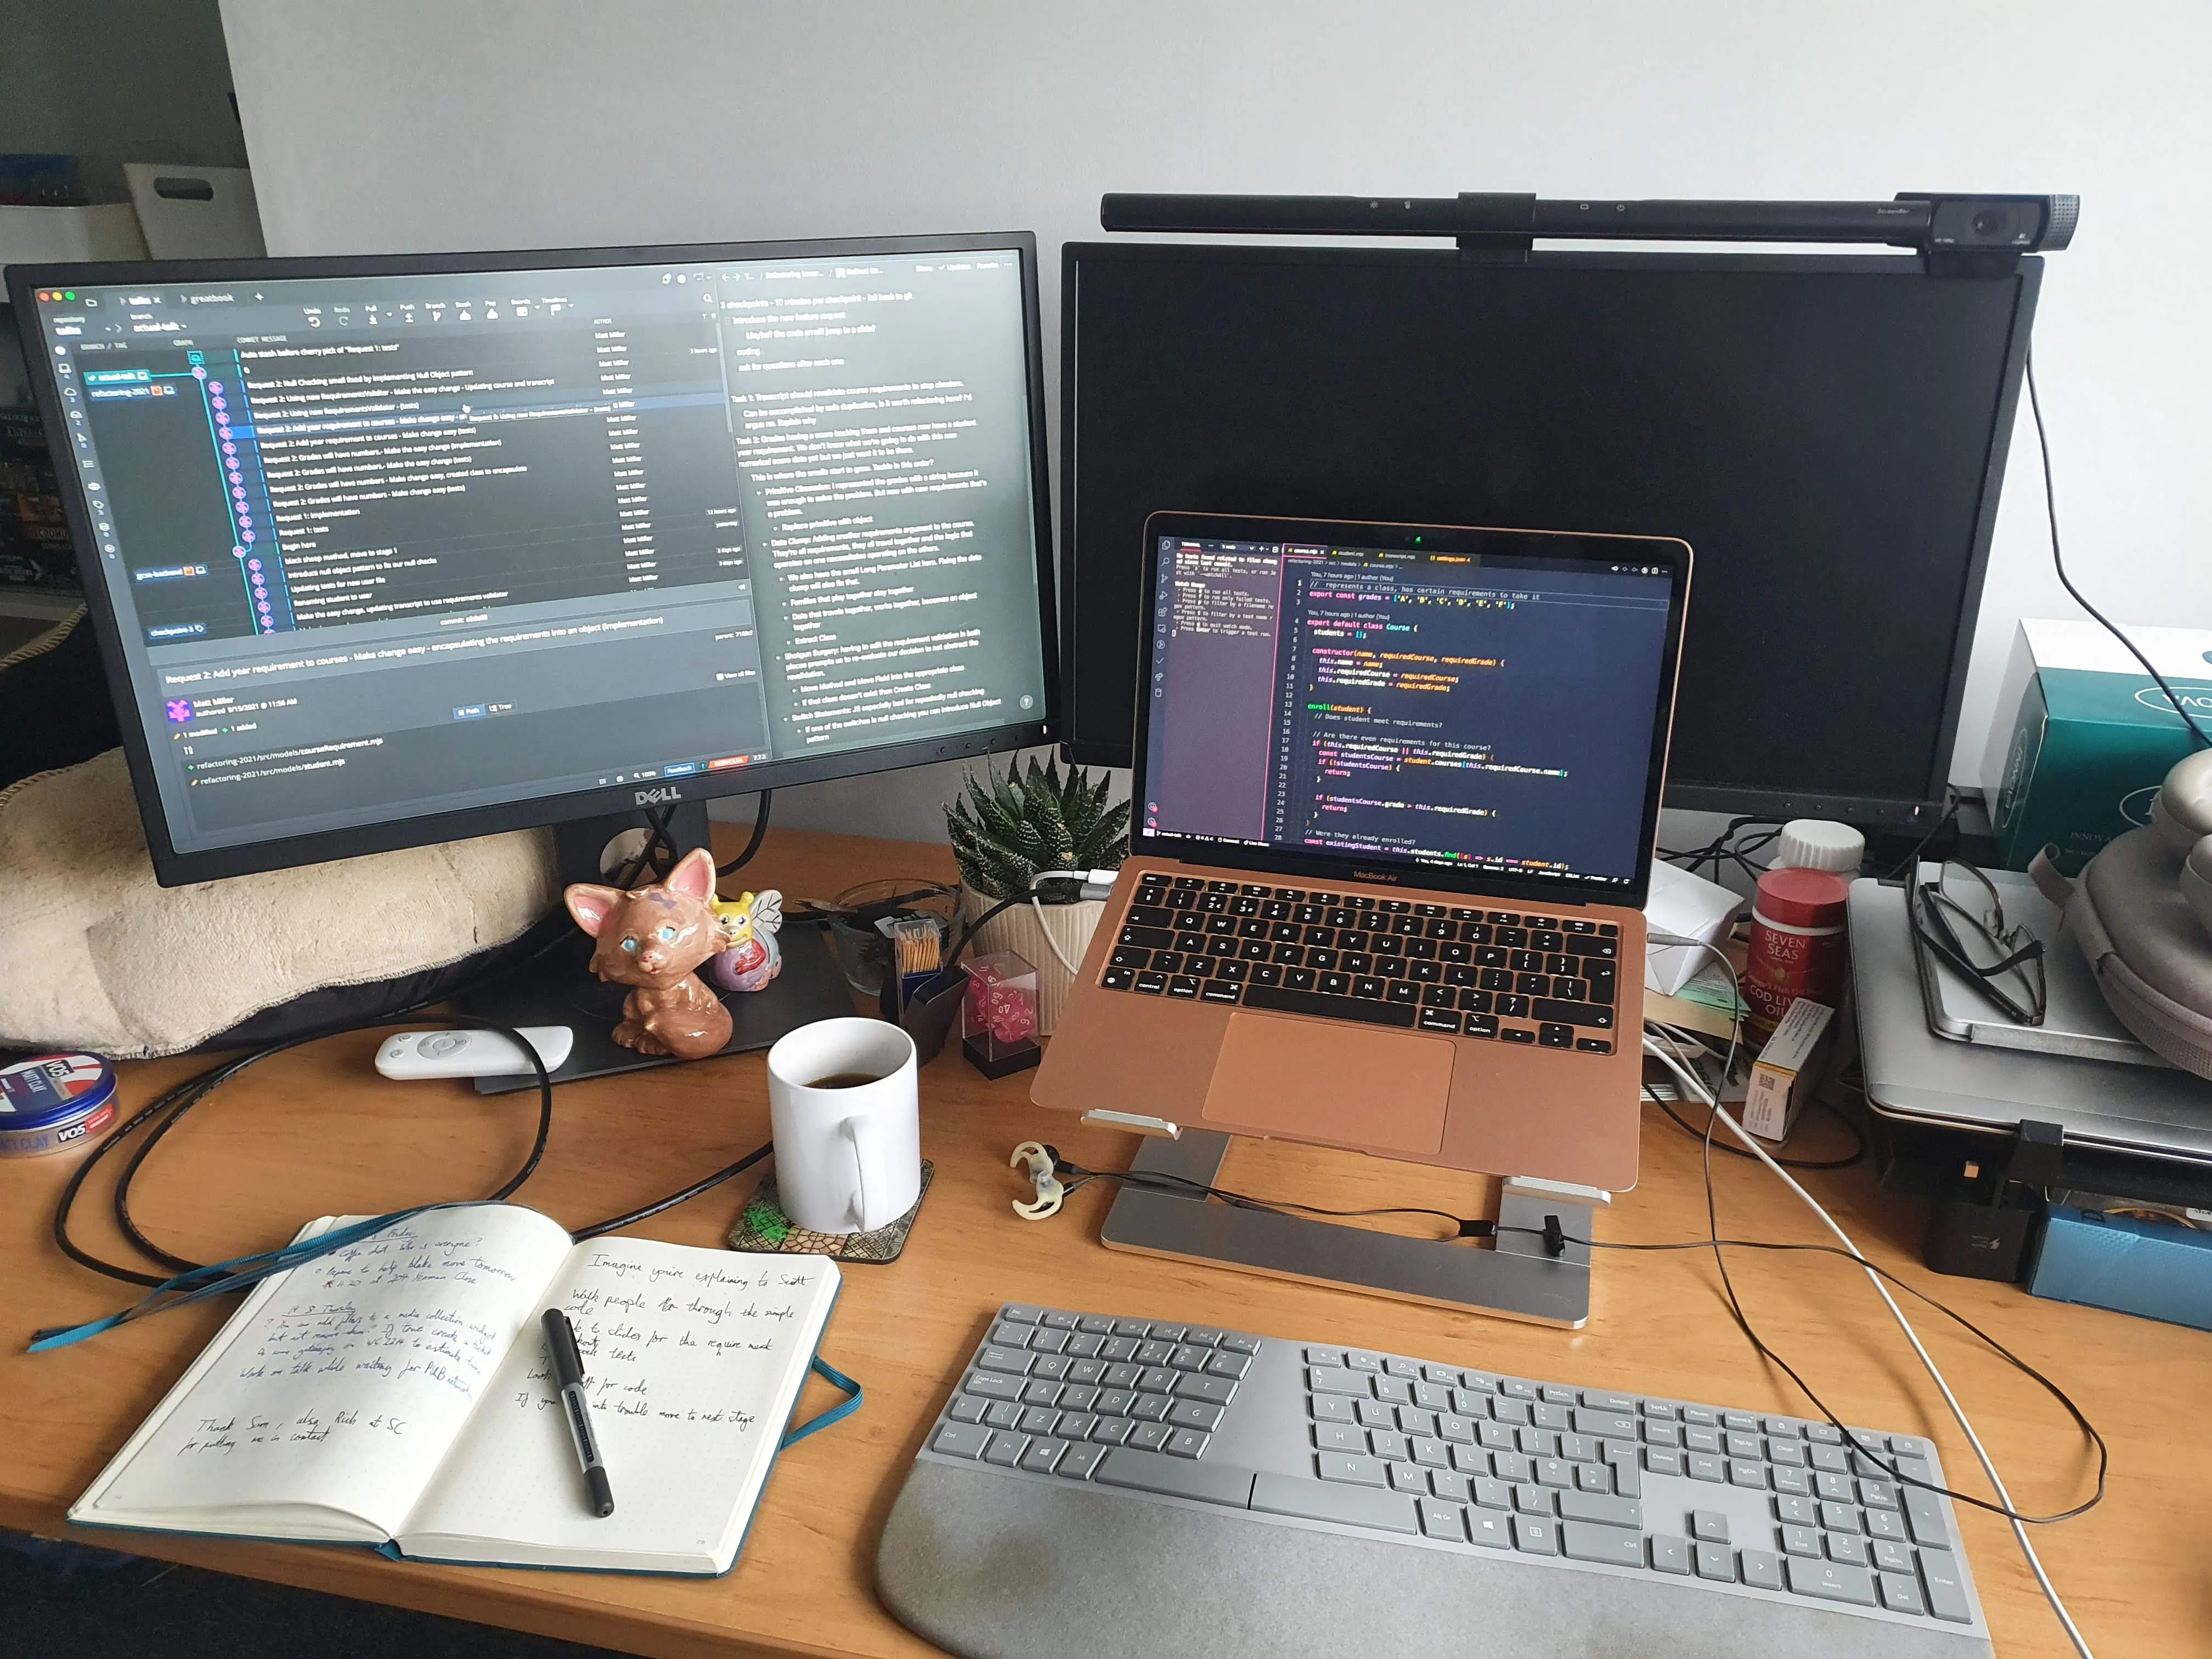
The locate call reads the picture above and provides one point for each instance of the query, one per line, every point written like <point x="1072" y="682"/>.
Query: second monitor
<point x="394" y="550"/>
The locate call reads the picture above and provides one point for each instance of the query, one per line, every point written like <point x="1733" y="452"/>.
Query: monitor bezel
<point x="174" y="868"/>
<point x="1918" y="813"/>
<point x="1554" y="891"/>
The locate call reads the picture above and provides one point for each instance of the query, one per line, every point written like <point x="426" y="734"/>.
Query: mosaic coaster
<point x="763" y="1228"/>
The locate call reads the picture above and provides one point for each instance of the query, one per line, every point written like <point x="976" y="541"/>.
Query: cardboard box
<point x="2091" y="736"/>
<point x="1783" y="1075"/>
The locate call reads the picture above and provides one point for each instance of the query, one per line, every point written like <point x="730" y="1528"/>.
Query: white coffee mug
<point x="847" y="1157"/>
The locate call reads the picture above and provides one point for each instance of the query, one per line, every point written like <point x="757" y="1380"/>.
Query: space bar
<point x="1177" y="1477"/>
<point x="1282" y="1000"/>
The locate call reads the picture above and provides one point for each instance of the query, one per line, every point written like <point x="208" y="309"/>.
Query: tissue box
<point x="1691" y="907"/>
<point x="1784" y="1072"/>
<point x="2092" y="739"/>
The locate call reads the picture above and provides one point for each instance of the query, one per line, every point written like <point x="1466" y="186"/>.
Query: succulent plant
<point x="1007" y="829"/>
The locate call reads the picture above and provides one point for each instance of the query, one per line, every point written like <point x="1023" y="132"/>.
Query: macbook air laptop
<point x="1395" y="792"/>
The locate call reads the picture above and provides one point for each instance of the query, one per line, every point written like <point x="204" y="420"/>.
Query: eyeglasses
<point x="1956" y="912"/>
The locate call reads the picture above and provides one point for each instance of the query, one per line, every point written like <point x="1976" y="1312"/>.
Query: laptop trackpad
<point x="1330" y="1080"/>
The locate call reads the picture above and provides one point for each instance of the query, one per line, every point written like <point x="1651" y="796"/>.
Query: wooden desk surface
<point x="317" y="1132"/>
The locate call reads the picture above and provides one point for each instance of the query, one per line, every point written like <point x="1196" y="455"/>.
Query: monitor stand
<point x="1510" y="1277"/>
<point x="558" y="988"/>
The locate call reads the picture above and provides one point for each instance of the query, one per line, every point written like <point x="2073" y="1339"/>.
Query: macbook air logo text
<point x="656" y="797"/>
<point x="1377" y="875"/>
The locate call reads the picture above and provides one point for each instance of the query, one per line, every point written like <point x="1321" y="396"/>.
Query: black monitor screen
<point x="1823" y="431"/>
<point x="380" y="546"/>
<point x="1488" y="712"/>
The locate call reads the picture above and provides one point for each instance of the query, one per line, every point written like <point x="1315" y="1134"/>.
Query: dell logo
<point x="656" y="797"/>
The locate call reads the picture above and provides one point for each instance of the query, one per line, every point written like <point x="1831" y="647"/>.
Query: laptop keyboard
<point x="1455" y="970"/>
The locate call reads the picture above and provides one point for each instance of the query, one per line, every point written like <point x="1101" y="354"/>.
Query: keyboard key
<point x="1605" y="1425"/>
<point x="1175" y="1477"/>
<point x="1901" y="1593"/>
<point x="1284" y="1000"/>
<point x="1670" y="1555"/>
<point x="961" y="1440"/>
<point x="1194" y="1414"/>
<point x="1892" y="1557"/>
<point x="1601" y="1510"/>
<point x="1350" y="1469"/>
<point x="1843" y="1546"/>
<point x="1005" y="1448"/>
<point x="1708" y="1526"/>
<point x="1882" y="1523"/>
<point x="1310" y="1500"/>
<point x="1149" y="1436"/>
<point x="1839" y="1517"/>
<point x="1832" y="1581"/>
<point x="1760" y="1569"/>
<point x="1453" y="1488"/>
<point x="1443" y="1520"/>
<point x="1408" y="1477"/>
<point x="1715" y="1562"/>
<point x="1111" y="1430"/>
<point x="1572" y="1013"/>
<point x="1583" y="1542"/>
<point x="1333" y="1381"/>
<point x="1533" y="1535"/>
<point x="1004" y="1415"/>
<point x="1550" y="1035"/>
<point x="1703" y="1465"/>
<point x="1186" y="1442"/>
<point x="1924" y="1510"/>
<point x="1043" y="1455"/>
<point x="964" y="1409"/>
<point x="1079" y="1463"/>
<point x="1800" y="1541"/>
<point x="1947" y="1592"/>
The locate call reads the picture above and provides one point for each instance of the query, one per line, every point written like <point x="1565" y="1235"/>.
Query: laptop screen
<point x="1480" y="709"/>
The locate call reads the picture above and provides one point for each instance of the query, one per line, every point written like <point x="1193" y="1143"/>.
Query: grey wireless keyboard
<point x="1121" y="1486"/>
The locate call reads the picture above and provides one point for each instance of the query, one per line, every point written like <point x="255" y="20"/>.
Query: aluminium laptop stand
<point x="1511" y="1276"/>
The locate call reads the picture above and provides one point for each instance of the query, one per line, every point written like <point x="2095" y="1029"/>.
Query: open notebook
<point x="398" y="1393"/>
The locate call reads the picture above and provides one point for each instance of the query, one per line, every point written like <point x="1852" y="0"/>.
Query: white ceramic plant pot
<point x="1068" y="925"/>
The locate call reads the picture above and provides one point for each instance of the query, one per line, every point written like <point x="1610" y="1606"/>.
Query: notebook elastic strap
<point x="836" y="1413"/>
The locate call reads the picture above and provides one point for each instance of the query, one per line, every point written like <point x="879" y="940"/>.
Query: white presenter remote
<point x="470" y="1053"/>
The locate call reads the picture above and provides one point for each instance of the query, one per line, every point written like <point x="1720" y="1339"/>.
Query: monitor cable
<point x="753" y="846"/>
<point x="2058" y="564"/>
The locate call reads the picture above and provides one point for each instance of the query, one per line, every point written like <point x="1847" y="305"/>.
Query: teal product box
<point x="2093" y="736"/>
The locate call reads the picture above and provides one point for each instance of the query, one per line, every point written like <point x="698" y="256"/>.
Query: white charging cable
<point x="1096" y="884"/>
<point x="1696" y="1086"/>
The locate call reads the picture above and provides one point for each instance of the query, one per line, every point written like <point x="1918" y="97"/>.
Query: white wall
<point x="423" y="125"/>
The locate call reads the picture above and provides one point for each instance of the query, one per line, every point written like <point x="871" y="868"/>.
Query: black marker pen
<point x="569" y="1379"/>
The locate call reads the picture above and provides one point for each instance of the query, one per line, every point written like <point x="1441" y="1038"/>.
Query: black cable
<point x="760" y="830"/>
<point x="1759" y="1346"/>
<point x="1858" y="1136"/>
<point x="1951" y="804"/>
<point x="181" y="1098"/>
<point x="690" y="1192"/>
<point x="2088" y="1428"/>
<point x="1471" y="1227"/>
<point x="2051" y="512"/>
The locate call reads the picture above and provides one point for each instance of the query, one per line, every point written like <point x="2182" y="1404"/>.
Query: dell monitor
<point x="1828" y="431"/>
<point x="383" y="551"/>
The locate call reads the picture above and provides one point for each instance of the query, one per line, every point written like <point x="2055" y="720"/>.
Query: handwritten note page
<point x="693" y="1358"/>
<point x="341" y="1385"/>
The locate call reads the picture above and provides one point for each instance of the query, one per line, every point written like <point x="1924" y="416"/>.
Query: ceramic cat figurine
<point x="652" y="939"/>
